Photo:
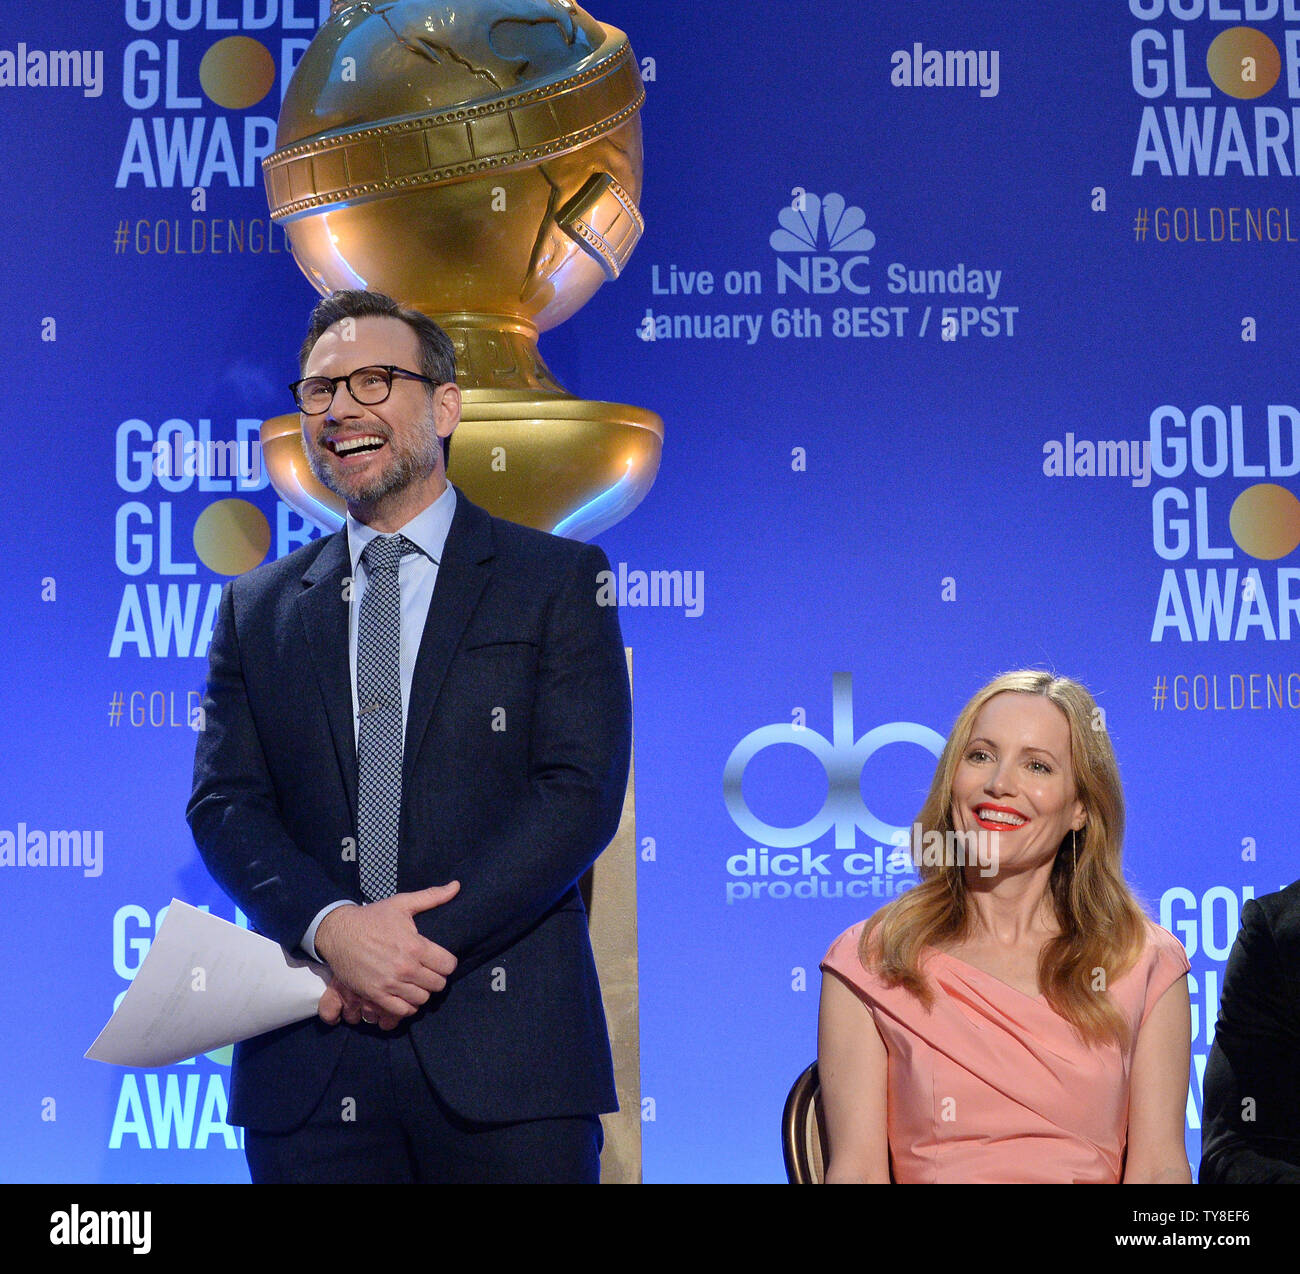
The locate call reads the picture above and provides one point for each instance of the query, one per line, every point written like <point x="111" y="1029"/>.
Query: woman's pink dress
<point x="991" y="1085"/>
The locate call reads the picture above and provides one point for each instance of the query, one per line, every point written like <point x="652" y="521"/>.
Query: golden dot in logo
<point x="237" y="72"/>
<point x="232" y="536"/>
<point x="1265" y="521"/>
<point x="1243" y="62"/>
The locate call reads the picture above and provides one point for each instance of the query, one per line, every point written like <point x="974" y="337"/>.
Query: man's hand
<point x="339" y="1002"/>
<point x="381" y="965"/>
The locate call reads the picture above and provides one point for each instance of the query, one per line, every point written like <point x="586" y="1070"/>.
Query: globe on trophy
<point x="481" y="161"/>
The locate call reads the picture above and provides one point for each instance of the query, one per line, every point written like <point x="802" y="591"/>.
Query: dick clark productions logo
<point x="843" y="758"/>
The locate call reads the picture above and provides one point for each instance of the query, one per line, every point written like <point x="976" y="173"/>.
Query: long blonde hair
<point x="1102" y="924"/>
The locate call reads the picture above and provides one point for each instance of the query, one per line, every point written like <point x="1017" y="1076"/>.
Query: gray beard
<point x="404" y="468"/>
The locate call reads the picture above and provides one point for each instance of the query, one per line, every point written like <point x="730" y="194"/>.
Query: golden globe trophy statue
<point x="481" y="161"/>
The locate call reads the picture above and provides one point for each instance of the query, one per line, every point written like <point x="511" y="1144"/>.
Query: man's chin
<point x="358" y="493"/>
<point x="354" y="491"/>
<point x="363" y="495"/>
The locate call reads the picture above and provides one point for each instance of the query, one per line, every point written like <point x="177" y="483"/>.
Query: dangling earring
<point x="1074" y="850"/>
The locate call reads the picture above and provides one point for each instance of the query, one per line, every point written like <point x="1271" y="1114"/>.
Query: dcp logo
<point x="843" y="758"/>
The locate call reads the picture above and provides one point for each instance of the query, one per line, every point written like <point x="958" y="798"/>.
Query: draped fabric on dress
<point x="992" y="1085"/>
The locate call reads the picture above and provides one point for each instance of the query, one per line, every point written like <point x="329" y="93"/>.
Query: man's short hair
<point x="437" y="354"/>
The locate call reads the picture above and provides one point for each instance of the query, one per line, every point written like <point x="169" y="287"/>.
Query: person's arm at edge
<point x="1157" y="1153"/>
<point x="1249" y="1058"/>
<point x="853" y="1071"/>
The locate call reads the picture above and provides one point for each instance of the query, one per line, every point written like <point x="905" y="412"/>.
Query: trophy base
<point x="550" y="461"/>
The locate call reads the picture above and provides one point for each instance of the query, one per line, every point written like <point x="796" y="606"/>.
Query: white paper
<point x="204" y="984"/>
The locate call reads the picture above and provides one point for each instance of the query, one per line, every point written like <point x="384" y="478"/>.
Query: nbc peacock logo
<point x="831" y="239"/>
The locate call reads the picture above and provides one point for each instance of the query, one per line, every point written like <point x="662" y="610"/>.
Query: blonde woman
<point x="1019" y="1019"/>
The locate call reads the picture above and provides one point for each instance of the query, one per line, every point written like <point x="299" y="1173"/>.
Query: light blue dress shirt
<point x="415" y="580"/>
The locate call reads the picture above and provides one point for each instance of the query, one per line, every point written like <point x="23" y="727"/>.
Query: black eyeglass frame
<point x="391" y="368"/>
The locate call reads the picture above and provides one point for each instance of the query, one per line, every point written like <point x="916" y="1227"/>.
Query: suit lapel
<point x="323" y="608"/>
<point x="462" y="575"/>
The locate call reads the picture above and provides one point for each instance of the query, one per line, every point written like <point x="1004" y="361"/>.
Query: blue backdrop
<point x="965" y="363"/>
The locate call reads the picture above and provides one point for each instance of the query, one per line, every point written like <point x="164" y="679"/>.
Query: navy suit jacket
<point x="516" y="755"/>
<point x="1256" y="1052"/>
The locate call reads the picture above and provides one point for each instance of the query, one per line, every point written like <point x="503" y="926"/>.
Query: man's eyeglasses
<point x="368" y="385"/>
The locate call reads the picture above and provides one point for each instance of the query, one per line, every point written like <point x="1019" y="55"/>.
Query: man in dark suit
<point x="1251" y="1113"/>
<point x="416" y="741"/>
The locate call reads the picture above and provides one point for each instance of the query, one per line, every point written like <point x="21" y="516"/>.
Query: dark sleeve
<point x="233" y="811"/>
<point x="1251" y="1112"/>
<point x="568" y="808"/>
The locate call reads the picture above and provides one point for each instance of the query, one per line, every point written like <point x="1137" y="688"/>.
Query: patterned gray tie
<point x="379" y="708"/>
